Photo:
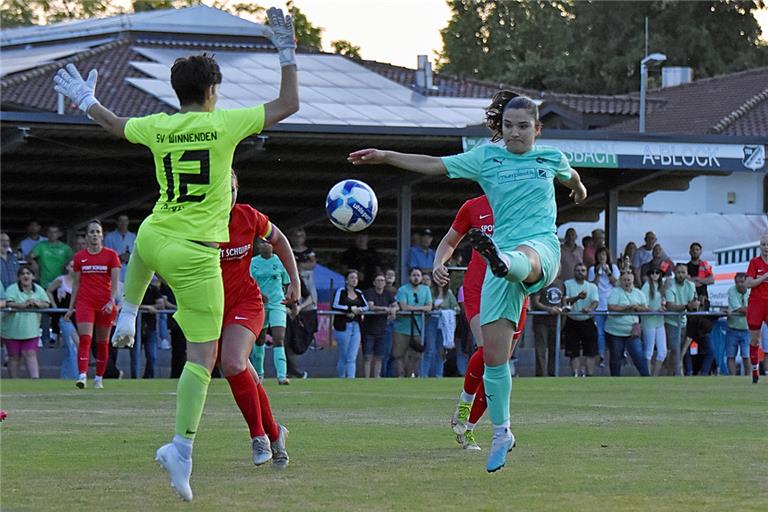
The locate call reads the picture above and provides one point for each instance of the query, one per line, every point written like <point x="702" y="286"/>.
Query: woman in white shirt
<point x="605" y="275"/>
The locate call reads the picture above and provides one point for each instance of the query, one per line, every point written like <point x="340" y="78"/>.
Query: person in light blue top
<point x="623" y="331"/>
<point x="581" y="297"/>
<point x="737" y="337"/>
<point x="524" y="254"/>
<point x="654" y="334"/>
<point x="270" y="274"/>
<point x="681" y="296"/>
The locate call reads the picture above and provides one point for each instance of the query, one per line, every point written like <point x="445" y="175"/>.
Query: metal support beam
<point x="612" y="221"/>
<point x="404" y="229"/>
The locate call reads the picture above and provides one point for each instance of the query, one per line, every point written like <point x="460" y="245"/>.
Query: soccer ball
<point x="351" y="205"/>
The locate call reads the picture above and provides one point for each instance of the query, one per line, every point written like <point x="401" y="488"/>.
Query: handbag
<point x="415" y="342"/>
<point x="637" y="330"/>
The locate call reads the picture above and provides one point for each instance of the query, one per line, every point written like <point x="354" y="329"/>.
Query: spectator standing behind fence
<point x="581" y="298"/>
<point x="32" y="239"/>
<point x="643" y="255"/>
<point x="549" y="299"/>
<point x="413" y="297"/>
<point x="623" y="331"/>
<point x="422" y="256"/>
<point x="625" y="260"/>
<point x="658" y="260"/>
<point x="351" y="301"/>
<point x="121" y="240"/>
<point x="9" y="263"/>
<point x="60" y="290"/>
<point x="362" y="258"/>
<point x="605" y="275"/>
<point x="48" y="259"/>
<point x="382" y="301"/>
<point x="387" y="368"/>
<point x="681" y="296"/>
<point x="737" y="337"/>
<point x="598" y="242"/>
<point x="570" y="254"/>
<point x="150" y="304"/>
<point x="699" y="271"/>
<point x="654" y="335"/>
<point x="178" y="341"/>
<point x="433" y="359"/>
<point x="21" y="331"/>
<point x="303" y="318"/>
<point x="589" y="250"/>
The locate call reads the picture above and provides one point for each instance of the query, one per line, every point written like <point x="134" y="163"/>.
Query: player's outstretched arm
<point x="578" y="190"/>
<point x="70" y="83"/>
<point x="284" y="39"/>
<point x="282" y="248"/>
<point x="422" y="164"/>
<point x="443" y="253"/>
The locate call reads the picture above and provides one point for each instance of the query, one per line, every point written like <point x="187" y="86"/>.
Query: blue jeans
<point x="149" y="343"/>
<point x="68" y="339"/>
<point x="387" y="366"/>
<point x="162" y="325"/>
<point x="705" y="343"/>
<point x="600" y="323"/>
<point x="349" y="344"/>
<point x="633" y="346"/>
<point x="432" y="362"/>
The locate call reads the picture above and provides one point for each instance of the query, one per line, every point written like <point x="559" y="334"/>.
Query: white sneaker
<point x="98" y="384"/>
<point x="279" y="453"/>
<point x="178" y="469"/>
<point x="165" y="344"/>
<point x="81" y="382"/>
<point x="125" y="331"/>
<point x="262" y="452"/>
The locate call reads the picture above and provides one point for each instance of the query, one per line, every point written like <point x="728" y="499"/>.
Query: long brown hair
<point x="502" y="101"/>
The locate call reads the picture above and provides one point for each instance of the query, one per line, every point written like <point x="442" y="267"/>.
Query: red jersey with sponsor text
<point x="758" y="267"/>
<point x="95" y="276"/>
<point x="475" y="213"/>
<point x="245" y="224"/>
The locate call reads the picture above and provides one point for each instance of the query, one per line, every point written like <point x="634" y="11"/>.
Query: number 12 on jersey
<point x="203" y="177"/>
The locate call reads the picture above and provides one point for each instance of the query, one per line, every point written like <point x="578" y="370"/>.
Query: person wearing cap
<point x="422" y="256"/>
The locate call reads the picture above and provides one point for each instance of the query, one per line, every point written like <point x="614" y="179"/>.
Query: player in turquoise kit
<point x="524" y="254"/>
<point x="270" y="274"/>
<point x="193" y="151"/>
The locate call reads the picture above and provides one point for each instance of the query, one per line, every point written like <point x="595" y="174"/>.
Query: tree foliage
<point x="15" y="13"/>
<point x="346" y="48"/>
<point x="577" y="46"/>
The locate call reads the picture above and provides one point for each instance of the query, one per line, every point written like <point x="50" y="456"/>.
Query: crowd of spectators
<point x="410" y="330"/>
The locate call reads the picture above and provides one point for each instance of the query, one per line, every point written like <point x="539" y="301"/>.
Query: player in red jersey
<point x="243" y="320"/>
<point x="94" y="292"/>
<point x="475" y="213"/>
<point x="757" y="307"/>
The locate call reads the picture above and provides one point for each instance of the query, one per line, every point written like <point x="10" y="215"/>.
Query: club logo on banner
<point x="754" y="157"/>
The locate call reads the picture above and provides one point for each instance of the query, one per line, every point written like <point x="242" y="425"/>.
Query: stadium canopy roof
<point x="61" y="167"/>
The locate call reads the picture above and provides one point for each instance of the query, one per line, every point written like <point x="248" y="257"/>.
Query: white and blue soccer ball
<point x="351" y="205"/>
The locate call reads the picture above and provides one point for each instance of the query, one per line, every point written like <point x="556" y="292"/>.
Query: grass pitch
<point x="583" y="444"/>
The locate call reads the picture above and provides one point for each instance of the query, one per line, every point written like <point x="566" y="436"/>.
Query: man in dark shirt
<point x="700" y="327"/>
<point x="362" y="258"/>
<point x="550" y="299"/>
<point x="699" y="271"/>
<point x="380" y="300"/>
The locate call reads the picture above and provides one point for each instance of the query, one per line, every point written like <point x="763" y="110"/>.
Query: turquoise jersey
<point x="519" y="188"/>
<point x="271" y="276"/>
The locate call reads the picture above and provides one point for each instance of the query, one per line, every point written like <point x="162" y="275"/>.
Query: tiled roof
<point x="33" y="89"/>
<point x="733" y="104"/>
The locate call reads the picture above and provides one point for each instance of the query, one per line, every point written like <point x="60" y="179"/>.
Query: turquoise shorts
<point x="275" y="316"/>
<point x="501" y="298"/>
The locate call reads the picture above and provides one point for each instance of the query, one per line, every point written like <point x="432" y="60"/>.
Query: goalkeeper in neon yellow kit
<point x="193" y="151"/>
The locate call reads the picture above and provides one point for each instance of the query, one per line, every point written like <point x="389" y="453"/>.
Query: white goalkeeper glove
<point x="283" y="36"/>
<point x="68" y="82"/>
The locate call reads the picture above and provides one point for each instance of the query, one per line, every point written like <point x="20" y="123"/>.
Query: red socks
<point x="245" y="392"/>
<point x="102" y="354"/>
<point x="473" y="378"/>
<point x="84" y="353"/>
<point x="266" y="415"/>
<point x="479" y="405"/>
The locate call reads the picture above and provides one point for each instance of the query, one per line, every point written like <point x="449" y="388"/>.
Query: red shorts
<point x="87" y="313"/>
<point x="757" y="313"/>
<point x="249" y="314"/>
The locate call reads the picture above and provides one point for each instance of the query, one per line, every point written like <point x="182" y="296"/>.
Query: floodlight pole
<point x="652" y="58"/>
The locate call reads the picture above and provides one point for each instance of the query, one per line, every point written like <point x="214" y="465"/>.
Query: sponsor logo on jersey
<point x="94" y="269"/>
<point x="234" y="253"/>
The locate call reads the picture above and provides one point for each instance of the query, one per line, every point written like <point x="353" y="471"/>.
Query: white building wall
<point x="709" y="194"/>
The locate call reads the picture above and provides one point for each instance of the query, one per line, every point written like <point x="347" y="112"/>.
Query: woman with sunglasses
<point x="653" y="325"/>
